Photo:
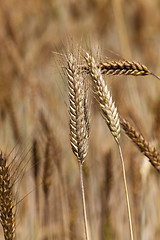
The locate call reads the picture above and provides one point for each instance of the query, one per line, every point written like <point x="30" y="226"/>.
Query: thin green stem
<point x="83" y="201"/>
<point x="126" y="191"/>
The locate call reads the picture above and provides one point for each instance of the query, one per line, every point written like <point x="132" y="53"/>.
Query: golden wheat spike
<point x="121" y="67"/>
<point x="104" y="97"/>
<point x="7" y="215"/>
<point x="78" y="119"/>
<point x="150" y="152"/>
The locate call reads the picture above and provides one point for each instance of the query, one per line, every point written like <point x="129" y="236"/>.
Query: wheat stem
<point x="126" y="191"/>
<point x="156" y="76"/>
<point x="83" y="201"/>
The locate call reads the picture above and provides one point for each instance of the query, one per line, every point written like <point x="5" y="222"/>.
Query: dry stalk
<point x="48" y="167"/>
<point x="45" y="123"/>
<point x="111" y="116"/>
<point x="36" y="158"/>
<point x="79" y="122"/>
<point x="150" y="152"/>
<point x="14" y="119"/>
<point x="126" y="192"/>
<point x="53" y="155"/>
<point x="48" y="131"/>
<point x="47" y="176"/>
<point x="105" y="194"/>
<point x="7" y="215"/>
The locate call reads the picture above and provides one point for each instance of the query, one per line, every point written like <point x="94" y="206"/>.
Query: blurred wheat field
<point x="35" y="123"/>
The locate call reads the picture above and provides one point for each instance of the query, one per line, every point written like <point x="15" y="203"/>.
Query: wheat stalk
<point x="47" y="177"/>
<point x="36" y="159"/>
<point x="111" y="116"/>
<point x="7" y="215"/>
<point x="150" y="152"/>
<point x="48" y="167"/>
<point x="79" y="122"/>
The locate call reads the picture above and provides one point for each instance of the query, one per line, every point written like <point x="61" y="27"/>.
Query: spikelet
<point x="7" y="215"/>
<point x="78" y="110"/>
<point x="104" y="98"/>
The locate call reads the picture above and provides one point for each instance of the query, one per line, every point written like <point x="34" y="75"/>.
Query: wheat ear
<point x="122" y="67"/>
<point x="79" y="122"/>
<point x="150" y="152"/>
<point x="78" y="126"/>
<point x="104" y="97"/>
<point x="111" y="116"/>
<point x="7" y="215"/>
